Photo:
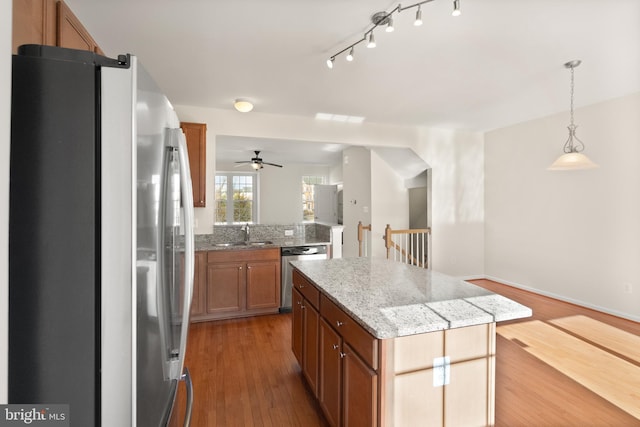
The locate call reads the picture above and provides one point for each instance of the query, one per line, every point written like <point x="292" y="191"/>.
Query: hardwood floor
<point x="244" y="373"/>
<point x="530" y="392"/>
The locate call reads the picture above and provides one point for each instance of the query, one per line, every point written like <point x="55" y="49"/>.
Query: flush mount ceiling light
<point x="243" y="105"/>
<point x="572" y="159"/>
<point x="386" y="19"/>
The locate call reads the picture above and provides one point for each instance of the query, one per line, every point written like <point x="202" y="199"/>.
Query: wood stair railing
<point x="409" y="246"/>
<point x="364" y="233"/>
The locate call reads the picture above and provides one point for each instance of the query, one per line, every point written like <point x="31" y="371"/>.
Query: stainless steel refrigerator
<point x="100" y="239"/>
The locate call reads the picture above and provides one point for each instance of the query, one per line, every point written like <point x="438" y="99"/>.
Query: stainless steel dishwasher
<point x="294" y="253"/>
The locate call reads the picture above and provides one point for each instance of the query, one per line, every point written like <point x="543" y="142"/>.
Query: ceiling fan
<point x="257" y="163"/>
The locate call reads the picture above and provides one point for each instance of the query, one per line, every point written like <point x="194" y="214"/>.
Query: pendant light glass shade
<point x="572" y="159"/>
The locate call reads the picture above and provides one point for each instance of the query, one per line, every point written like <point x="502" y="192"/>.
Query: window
<point x="235" y="198"/>
<point x="308" y="212"/>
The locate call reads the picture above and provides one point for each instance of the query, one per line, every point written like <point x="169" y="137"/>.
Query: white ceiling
<point x="499" y="63"/>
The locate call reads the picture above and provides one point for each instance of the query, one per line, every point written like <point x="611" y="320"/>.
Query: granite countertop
<point x="270" y="243"/>
<point x="391" y="299"/>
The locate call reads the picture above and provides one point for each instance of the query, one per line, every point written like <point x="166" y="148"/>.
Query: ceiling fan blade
<point x="271" y="164"/>
<point x="245" y="161"/>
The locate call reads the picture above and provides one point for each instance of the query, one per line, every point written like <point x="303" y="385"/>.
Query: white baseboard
<point x="559" y="297"/>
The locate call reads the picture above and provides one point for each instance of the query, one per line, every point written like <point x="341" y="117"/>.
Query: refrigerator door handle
<point x="186" y="377"/>
<point x="189" y="250"/>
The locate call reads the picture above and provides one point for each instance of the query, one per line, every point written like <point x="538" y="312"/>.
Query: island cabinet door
<point x="296" y="330"/>
<point x="330" y="394"/>
<point x="311" y="327"/>
<point x="360" y="390"/>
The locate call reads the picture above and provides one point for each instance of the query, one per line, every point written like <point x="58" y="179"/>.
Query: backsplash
<point x="258" y="232"/>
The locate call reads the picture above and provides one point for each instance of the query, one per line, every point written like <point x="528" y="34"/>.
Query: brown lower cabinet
<point x="441" y="378"/>
<point x="236" y="283"/>
<point x="305" y="336"/>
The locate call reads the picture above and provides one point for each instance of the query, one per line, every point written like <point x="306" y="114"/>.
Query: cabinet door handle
<point x="343" y="355"/>
<point x="302" y="307"/>
<point x="300" y="286"/>
<point x="339" y="323"/>
<point x="335" y="346"/>
<point x="239" y="268"/>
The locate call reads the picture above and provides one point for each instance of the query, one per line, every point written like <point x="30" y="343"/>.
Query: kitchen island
<point x="382" y="343"/>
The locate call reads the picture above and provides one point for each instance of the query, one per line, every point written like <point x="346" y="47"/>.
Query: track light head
<point x="456" y="8"/>
<point x="330" y="62"/>
<point x="350" y="55"/>
<point x="418" y="20"/>
<point x="389" y="28"/>
<point x="372" y="41"/>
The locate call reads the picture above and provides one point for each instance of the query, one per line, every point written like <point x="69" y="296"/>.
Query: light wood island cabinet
<point x="399" y="345"/>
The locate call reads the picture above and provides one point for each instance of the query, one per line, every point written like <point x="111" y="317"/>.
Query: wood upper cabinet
<point x="196" y="135"/>
<point x="34" y="21"/>
<point x="71" y="33"/>
<point x="49" y="22"/>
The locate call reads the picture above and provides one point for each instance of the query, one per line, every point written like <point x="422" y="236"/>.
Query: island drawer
<point x="365" y="344"/>
<point x="305" y="287"/>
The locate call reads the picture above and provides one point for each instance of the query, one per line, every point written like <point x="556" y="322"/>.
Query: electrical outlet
<point x="628" y="288"/>
<point x="288" y="232"/>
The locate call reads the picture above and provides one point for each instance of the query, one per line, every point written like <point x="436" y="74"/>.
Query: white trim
<point x="561" y="298"/>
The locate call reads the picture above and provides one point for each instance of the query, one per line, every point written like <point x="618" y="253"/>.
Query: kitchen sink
<point x="261" y="243"/>
<point x="230" y="244"/>
<point x="258" y="243"/>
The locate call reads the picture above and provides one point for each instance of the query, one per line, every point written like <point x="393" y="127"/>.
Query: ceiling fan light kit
<point x="386" y="19"/>
<point x="572" y="159"/>
<point x="257" y="163"/>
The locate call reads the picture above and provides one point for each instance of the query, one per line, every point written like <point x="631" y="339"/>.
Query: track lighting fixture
<point x="350" y="55"/>
<point x="418" y="20"/>
<point x="330" y="62"/>
<point x="386" y="19"/>
<point x="389" y="28"/>
<point x="372" y="41"/>
<point x="456" y="8"/>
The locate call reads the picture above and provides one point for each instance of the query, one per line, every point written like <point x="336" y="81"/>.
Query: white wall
<point x="5" y="125"/>
<point x="569" y="234"/>
<point x="256" y="124"/>
<point x="356" y="192"/>
<point x="280" y="195"/>
<point x="457" y="200"/>
<point x="389" y="203"/>
<point x="457" y="159"/>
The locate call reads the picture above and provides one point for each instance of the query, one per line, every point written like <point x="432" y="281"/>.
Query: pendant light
<point x="572" y="159"/>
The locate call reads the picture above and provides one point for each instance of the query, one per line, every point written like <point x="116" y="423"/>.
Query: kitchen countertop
<point x="391" y="299"/>
<point x="275" y="243"/>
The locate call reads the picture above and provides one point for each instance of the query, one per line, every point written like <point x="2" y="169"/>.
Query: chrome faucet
<point x="245" y="228"/>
